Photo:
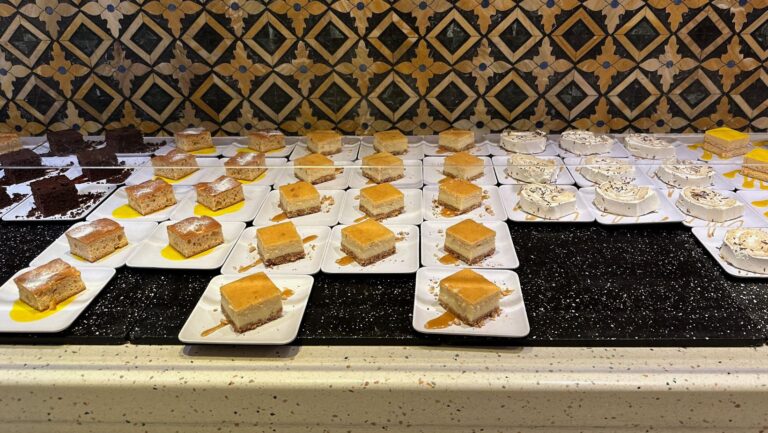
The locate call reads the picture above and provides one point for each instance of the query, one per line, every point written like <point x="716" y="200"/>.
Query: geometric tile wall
<point x="365" y="65"/>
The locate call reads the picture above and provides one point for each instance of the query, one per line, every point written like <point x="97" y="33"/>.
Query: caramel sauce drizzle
<point x="210" y="331"/>
<point x="287" y="293"/>
<point x="345" y="261"/>
<point x="309" y="239"/>
<point x="448" y="259"/>
<point x="442" y="321"/>
<point x="279" y="217"/>
<point x="247" y="267"/>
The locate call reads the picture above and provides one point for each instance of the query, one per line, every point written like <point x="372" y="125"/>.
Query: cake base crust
<point x="320" y="179"/>
<point x="385" y="180"/>
<point x="253" y="325"/>
<point x="465" y="259"/>
<point x="460" y="211"/>
<point x="390" y="214"/>
<point x="370" y="260"/>
<point x="301" y="212"/>
<point x="477" y="176"/>
<point x="457" y="149"/>
<point x="287" y="258"/>
<point x="477" y="322"/>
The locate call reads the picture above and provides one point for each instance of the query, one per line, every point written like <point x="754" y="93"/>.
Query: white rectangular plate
<point x="433" y="239"/>
<point x="245" y="212"/>
<point x="348" y="152"/>
<point x="667" y="212"/>
<point x="573" y="165"/>
<point x="490" y="210"/>
<point x="210" y="168"/>
<point x="404" y="261"/>
<point x="12" y="319"/>
<point x="433" y="171"/>
<point x="412" y="177"/>
<point x="617" y="151"/>
<point x="332" y="201"/>
<point x="494" y="141"/>
<point x="757" y="201"/>
<point x="207" y="314"/>
<point x="211" y="152"/>
<point x="712" y="239"/>
<point x="341" y="181"/>
<point x="500" y="165"/>
<point x="274" y="170"/>
<point x="149" y="254"/>
<point x="749" y="219"/>
<point x="431" y="148"/>
<point x="415" y="149"/>
<point x="510" y="198"/>
<point x="243" y="256"/>
<point x="240" y="144"/>
<point x="109" y="208"/>
<point x="718" y="181"/>
<point x="511" y="322"/>
<point x="351" y="214"/>
<point x="734" y="179"/>
<point x="21" y="211"/>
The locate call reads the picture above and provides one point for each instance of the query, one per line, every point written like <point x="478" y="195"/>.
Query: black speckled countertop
<point x="582" y="285"/>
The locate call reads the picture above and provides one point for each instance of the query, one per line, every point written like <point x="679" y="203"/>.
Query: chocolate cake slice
<point x="54" y="195"/>
<point x="125" y="140"/>
<point x="21" y="158"/>
<point x="5" y="199"/>
<point x="65" y="142"/>
<point x="92" y="159"/>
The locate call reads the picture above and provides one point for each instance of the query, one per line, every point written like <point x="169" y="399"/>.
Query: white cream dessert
<point x="585" y="142"/>
<point x="682" y="173"/>
<point x="600" y="169"/>
<point x="620" y="197"/>
<point x="523" y="141"/>
<point x="746" y="249"/>
<point x="531" y="169"/>
<point x="709" y="205"/>
<point x="547" y="201"/>
<point x="649" y="147"/>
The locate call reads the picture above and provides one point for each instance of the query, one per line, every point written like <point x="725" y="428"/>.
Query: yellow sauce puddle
<point x="731" y="174"/>
<point x="760" y="203"/>
<point x="258" y="178"/>
<point x="125" y="211"/>
<point x="706" y="155"/>
<point x="21" y="312"/>
<point x="170" y="253"/>
<point x="201" y="210"/>
<point x="748" y="182"/>
<point x="206" y="151"/>
<point x="249" y="150"/>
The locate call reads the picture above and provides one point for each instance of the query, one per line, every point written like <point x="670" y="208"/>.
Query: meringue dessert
<point x="550" y="202"/>
<point x="746" y="249"/>
<point x="649" y="147"/>
<point x="523" y="141"/>
<point x="600" y="169"/>
<point x="682" y="173"/>
<point x="709" y="205"/>
<point x="585" y="142"/>
<point x="530" y="169"/>
<point x="619" y="197"/>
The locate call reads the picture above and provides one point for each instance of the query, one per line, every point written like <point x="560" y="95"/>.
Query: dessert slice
<point x="459" y="195"/>
<point x="174" y="165"/>
<point x="546" y="201"/>
<point x="622" y="198"/>
<point x="220" y="193"/>
<point x="65" y="142"/>
<point x="682" y="173"/>
<point x="381" y="201"/>
<point x="649" y="147"/>
<point x="325" y="142"/>
<point x="383" y="167"/>
<point x="46" y="286"/>
<point x="5" y="198"/>
<point x="726" y="142"/>
<point x="9" y="142"/>
<point x="392" y="141"/>
<point x="469" y="296"/>
<point x="314" y="168"/>
<point x="709" y="205"/>
<point x="599" y="169"/>
<point x="462" y="165"/>
<point x="98" y="164"/>
<point x="54" y="195"/>
<point x="367" y="242"/>
<point x="279" y="243"/>
<point x="523" y="141"/>
<point x="11" y="161"/>
<point x="125" y="140"/>
<point x="264" y="141"/>
<point x="585" y="142"/>
<point x="250" y="302"/>
<point x="531" y="169"/>
<point x="456" y="140"/>
<point x="746" y="249"/>
<point x="96" y="239"/>
<point x="150" y="196"/>
<point x="194" y="235"/>
<point x="192" y="139"/>
<point x="246" y="166"/>
<point x="299" y="198"/>
<point x="471" y="242"/>
<point x="756" y="164"/>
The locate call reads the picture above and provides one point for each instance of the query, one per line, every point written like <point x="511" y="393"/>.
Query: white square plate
<point x="15" y="316"/>
<point x="433" y="240"/>
<point x="207" y="314"/>
<point x="211" y="152"/>
<point x="351" y="214"/>
<point x="331" y="203"/>
<point x="500" y="165"/>
<point x="268" y="178"/>
<point x="150" y="252"/>
<point x="511" y="322"/>
<point x="433" y="171"/>
<point x="210" y="168"/>
<point x="494" y="141"/>
<point x="510" y="197"/>
<point x="712" y="239"/>
<point x="240" y="145"/>
<point x="667" y="212"/>
<point x="116" y="207"/>
<point x="136" y="232"/>
<point x="404" y="261"/>
<point x="431" y="148"/>
<point x="757" y="201"/>
<point x="734" y="179"/>
<point x="412" y="177"/>
<point x="718" y="181"/>
<point x="490" y="210"/>
<point x="573" y="165"/>
<point x="415" y="149"/>
<point x="349" y="150"/>
<point x="617" y="151"/>
<point x="341" y="181"/>
<point x="245" y="253"/>
<point x="21" y="211"/>
<point x="749" y="219"/>
<point x="243" y="211"/>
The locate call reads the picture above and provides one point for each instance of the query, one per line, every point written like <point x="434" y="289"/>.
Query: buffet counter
<point x="366" y="389"/>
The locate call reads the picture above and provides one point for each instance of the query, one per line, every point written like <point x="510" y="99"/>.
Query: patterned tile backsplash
<point x="365" y="65"/>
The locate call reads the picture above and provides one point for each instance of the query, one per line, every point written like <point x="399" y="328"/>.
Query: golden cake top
<point x="460" y="187"/>
<point x="382" y="159"/>
<point x="463" y="159"/>
<point x="194" y="226"/>
<point x="323" y="135"/>
<point x="247" y="159"/>
<point x="217" y="186"/>
<point x="174" y="157"/>
<point x="299" y="191"/>
<point x="268" y="134"/>
<point x="94" y="230"/>
<point x="43" y="276"/>
<point x="249" y="291"/>
<point x="456" y="133"/>
<point x="381" y="193"/>
<point x="278" y="234"/>
<point x="726" y="134"/>
<point x="313" y="160"/>
<point x="153" y="186"/>
<point x="758" y="154"/>
<point x="389" y="136"/>
<point x="368" y="232"/>
<point x="470" y="231"/>
<point x="193" y="132"/>
<point x="470" y="286"/>
<point x="8" y="137"/>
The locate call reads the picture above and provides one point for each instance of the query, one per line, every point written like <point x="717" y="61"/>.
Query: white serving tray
<point x="510" y="198"/>
<point x="667" y="212"/>
<point x="332" y="202"/>
<point x="245" y="253"/>
<point x="573" y="165"/>
<point x="500" y="165"/>
<point x="718" y="181"/>
<point x="245" y="212"/>
<point x="749" y="219"/>
<point x="712" y="239"/>
<point x="404" y="261"/>
<point x="490" y="210"/>
<point x="240" y="144"/>
<point x="433" y="239"/>
<point x="757" y="201"/>
<point x="433" y="171"/>
<point x="341" y="181"/>
<point x="120" y="198"/>
<point x="617" y="151"/>
<point x="351" y="214"/>
<point x="412" y="177"/>
<point x="350" y="147"/>
<point x="415" y="149"/>
<point x="210" y="169"/>
<point x="21" y="211"/>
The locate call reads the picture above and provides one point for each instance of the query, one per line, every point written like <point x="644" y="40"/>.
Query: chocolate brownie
<point x="21" y="158"/>
<point x="65" y="142"/>
<point x="125" y="140"/>
<point x="54" y="195"/>
<point x="5" y="199"/>
<point x="104" y="157"/>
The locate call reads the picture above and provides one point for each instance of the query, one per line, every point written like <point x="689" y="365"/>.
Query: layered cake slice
<point x="546" y="201"/>
<point x="746" y="249"/>
<point x="649" y="147"/>
<point x="65" y="142"/>
<point x="48" y="285"/>
<point x="125" y="140"/>
<point x="709" y="205"/>
<point x="194" y="235"/>
<point x="523" y="141"/>
<point x="192" y="139"/>
<point x="250" y="302"/>
<point x="756" y="164"/>
<point x="150" y="196"/>
<point x="174" y="165"/>
<point x="381" y="201"/>
<point x="470" y="241"/>
<point x="456" y="140"/>
<point x="392" y="141"/>
<point x="469" y="296"/>
<point x="98" y="164"/>
<point x="17" y="165"/>
<point x="367" y="242"/>
<point x="299" y="198"/>
<point x="459" y="195"/>
<point x="682" y="173"/>
<point x="531" y="169"/>
<point x="246" y="166"/>
<point x="97" y="239"/>
<point x="9" y="142"/>
<point x="599" y="169"/>
<point x="622" y="198"/>
<point x="264" y="141"/>
<point x="585" y="142"/>
<point x="278" y="244"/>
<point x="462" y="165"/>
<point x="54" y="195"/>
<point x="383" y="167"/>
<point x="726" y="142"/>
<point x="314" y="168"/>
<point x="325" y="142"/>
<point x="219" y="193"/>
